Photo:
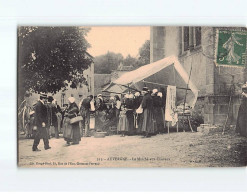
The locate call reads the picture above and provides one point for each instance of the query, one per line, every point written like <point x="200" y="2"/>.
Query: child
<point x="123" y="124"/>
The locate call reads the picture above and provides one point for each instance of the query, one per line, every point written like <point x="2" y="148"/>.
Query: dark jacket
<point x="40" y="114"/>
<point x="85" y="106"/>
<point x="137" y="102"/>
<point x="52" y="117"/>
<point x="147" y="102"/>
<point x="157" y="101"/>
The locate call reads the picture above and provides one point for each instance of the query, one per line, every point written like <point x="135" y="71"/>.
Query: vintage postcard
<point x="132" y="96"/>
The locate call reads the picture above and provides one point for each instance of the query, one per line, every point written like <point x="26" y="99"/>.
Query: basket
<point x="77" y="119"/>
<point x="100" y="134"/>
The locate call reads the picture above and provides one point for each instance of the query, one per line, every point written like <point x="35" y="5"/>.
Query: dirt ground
<point x="182" y="149"/>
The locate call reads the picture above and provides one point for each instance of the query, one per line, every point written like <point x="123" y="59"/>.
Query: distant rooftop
<point x="121" y="67"/>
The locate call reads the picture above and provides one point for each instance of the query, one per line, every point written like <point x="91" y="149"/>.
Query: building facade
<point x="219" y="86"/>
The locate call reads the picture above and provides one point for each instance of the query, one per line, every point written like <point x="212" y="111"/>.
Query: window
<point x="191" y="38"/>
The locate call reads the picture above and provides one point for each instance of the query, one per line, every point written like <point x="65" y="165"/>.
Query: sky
<point x="118" y="39"/>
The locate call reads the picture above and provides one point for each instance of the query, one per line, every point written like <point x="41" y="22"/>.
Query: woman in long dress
<point x="123" y="124"/>
<point x="71" y="131"/>
<point x="158" y="115"/>
<point x="100" y="112"/>
<point x="147" y="105"/>
<point x="241" y="126"/>
<point x="117" y="106"/>
<point x="129" y="104"/>
<point x="138" y="116"/>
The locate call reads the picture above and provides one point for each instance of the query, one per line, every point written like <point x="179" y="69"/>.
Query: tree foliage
<point x="104" y="64"/>
<point x="130" y="61"/>
<point x="51" y="57"/>
<point x="144" y="54"/>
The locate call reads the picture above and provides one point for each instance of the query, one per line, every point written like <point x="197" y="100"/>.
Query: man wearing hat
<point x="40" y="122"/>
<point x="241" y="126"/>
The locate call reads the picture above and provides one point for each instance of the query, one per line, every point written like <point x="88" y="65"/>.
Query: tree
<point x="130" y="61"/>
<point x="51" y="57"/>
<point x="144" y="54"/>
<point x="104" y="64"/>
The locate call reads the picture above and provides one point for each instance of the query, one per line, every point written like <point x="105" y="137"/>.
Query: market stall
<point x="163" y="73"/>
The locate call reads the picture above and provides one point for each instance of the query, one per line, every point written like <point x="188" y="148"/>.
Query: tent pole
<point x="186" y="94"/>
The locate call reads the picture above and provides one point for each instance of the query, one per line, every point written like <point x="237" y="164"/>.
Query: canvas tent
<point x="167" y="71"/>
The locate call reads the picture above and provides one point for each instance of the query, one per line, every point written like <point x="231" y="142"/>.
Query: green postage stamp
<point x="231" y="48"/>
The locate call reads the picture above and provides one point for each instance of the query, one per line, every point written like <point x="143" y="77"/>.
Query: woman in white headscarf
<point x="71" y="131"/>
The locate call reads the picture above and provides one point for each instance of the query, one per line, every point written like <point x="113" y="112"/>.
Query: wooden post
<point x="177" y="126"/>
<point x="168" y="127"/>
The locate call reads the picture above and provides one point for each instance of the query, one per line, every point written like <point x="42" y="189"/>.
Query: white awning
<point x="144" y="72"/>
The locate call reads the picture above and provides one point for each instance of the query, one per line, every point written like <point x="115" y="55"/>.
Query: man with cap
<point x="241" y="127"/>
<point x="40" y="121"/>
<point x="147" y="105"/>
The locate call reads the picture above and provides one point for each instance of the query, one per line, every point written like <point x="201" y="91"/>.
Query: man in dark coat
<point x="241" y="126"/>
<point x="52" y="118"/>
<point x="40" y="124"/>
<point x="147" y="105"/>
<point x="85" y="113"/>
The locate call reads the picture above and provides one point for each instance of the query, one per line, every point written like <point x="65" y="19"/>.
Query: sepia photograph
<point x="131" y="96"/>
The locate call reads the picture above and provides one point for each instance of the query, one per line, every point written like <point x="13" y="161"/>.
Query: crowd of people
<point x="139" y="113"/>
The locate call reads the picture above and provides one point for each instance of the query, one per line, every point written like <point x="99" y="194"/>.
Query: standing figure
<point x="138" y="116"/>
<point x="71" y="131"/>
<point x="158" y="116"/>
<point x="111" y="119"/>
<point x="129" y="105"/>
<point x="123" y="124"/>
<point x="59" y="116"/>
<point x="241" y="126"/>
<point x="147" y="105"/>
<point x="163" y="103"/>
<point x="40" y="122"/>
<point x="85" y="113"/>
<point x="100" y="113"/>
<point x="52" y="118"/>
<point x="117" y="106"/>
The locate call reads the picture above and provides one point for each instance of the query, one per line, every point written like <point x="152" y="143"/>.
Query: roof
<point x="89" y="55"/>
<point x="160" y="72"/>
<point x="100" y="81"/>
